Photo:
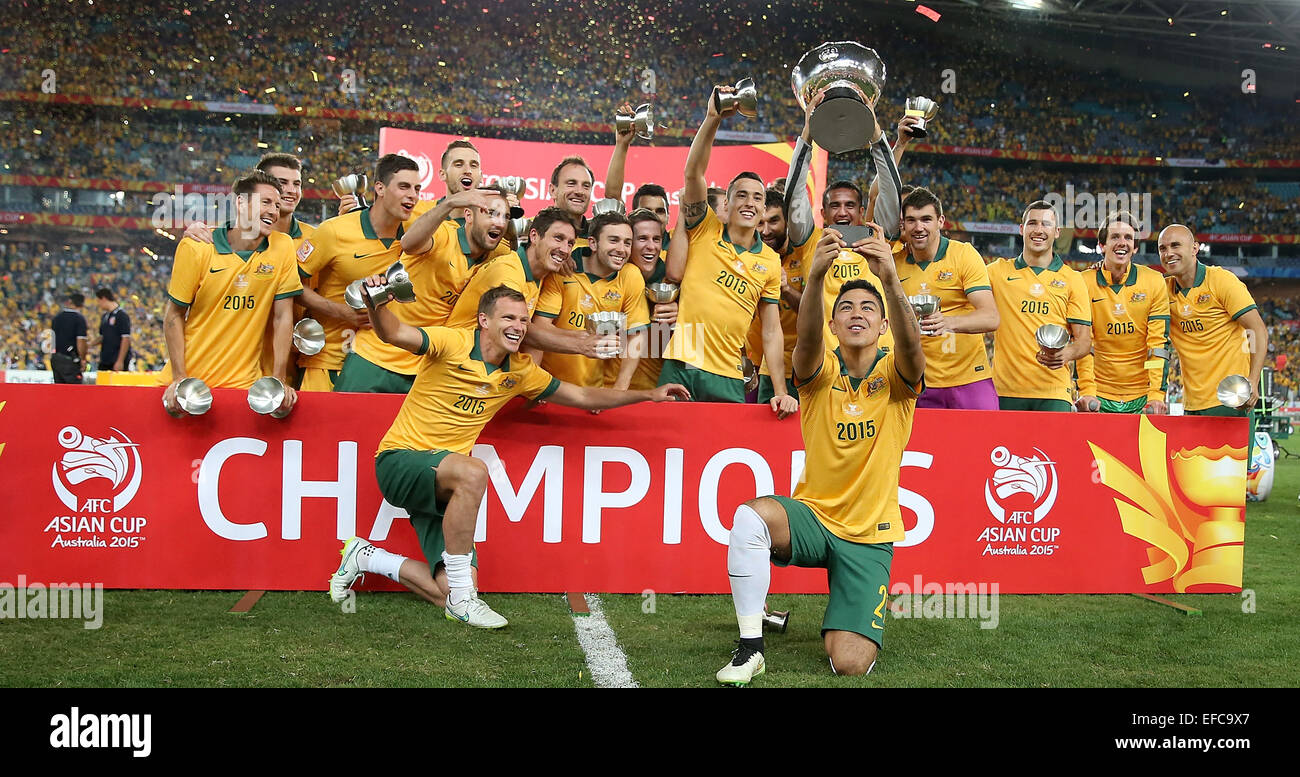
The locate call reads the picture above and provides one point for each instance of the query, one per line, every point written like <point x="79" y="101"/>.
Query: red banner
<point x="103" y="486"/>
<point x="534" y="162"/>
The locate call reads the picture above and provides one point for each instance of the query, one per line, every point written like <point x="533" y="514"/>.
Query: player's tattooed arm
<point x="694" y="211"/>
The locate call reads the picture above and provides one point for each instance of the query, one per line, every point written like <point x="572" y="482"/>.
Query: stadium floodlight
<point x="1027" y="5"/>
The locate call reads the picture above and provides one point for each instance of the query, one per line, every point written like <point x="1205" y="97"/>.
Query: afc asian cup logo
<point x="1022" y="488"/>
<point x="115" y="459"/>
<point x="427" y="170"/>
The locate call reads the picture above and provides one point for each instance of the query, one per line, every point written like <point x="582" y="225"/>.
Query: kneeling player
<point x="857" y="405"/>
<point x="424" y="465"/>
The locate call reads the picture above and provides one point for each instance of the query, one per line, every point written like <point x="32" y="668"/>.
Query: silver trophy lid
<point x="1233" y="391"/>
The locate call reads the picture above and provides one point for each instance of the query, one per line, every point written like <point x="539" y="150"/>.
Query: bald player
<point x="1215" y="326"/>
<point x="731" y="277"/>
<point x="1034" y="289"/>
<point x="423" y="464"/>
<point x="957" y="370"/>
<point x="857" y="407"/>
<point x="1128" y="369"/>
<point x="222" y="294"/>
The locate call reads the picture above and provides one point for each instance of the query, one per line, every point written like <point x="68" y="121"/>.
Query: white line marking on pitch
<point x="605" y="659"/>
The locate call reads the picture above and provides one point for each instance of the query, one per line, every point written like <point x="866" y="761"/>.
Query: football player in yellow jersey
<point x="549" y="250"/>
<point x="1034" y="289"/>
<point x="1129" y="364"/>
<point x="423" y="464"/>
<point x="347" y="248"/>
<point x="648" y="234"/>
<point x="841" y="206"/>
<point x="571" y="184"/>
<point x="957" y="370"/>
<point x="1215" y="325"/>
<point x="606" y="281"/>
<point x="731" y="277"/>
<point x="794" y="263"/>
<point x="857" y="407"/>
<point x="222" y="294"/>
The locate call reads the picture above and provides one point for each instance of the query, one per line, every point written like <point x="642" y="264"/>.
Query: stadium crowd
<point x="482" y="59"/>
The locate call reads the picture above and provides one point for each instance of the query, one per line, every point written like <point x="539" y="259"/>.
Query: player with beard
<point x="571" y="183"/>
<point x="794" y="263"/>
<point x="424" y="465"/>
<point x="606" y="282"/>
<point x="1034" y="289"/>
<point x="957" y="370"/>
<point x="1128" y="368"/>
<point x="731" y="277"/>
<point x="221" y="295"/>
<point x="841" y="206"/>
<point x="858" y="402"/>
<point x="1215" y="326"/>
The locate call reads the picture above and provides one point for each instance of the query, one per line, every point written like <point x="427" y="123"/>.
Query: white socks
<point x="381" y="562"/>
<point x="459" y="580"/>
<point x="749" y="551"/>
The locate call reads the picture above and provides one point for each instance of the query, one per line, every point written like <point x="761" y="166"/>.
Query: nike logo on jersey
<point x="360" y="256"/>
<point x="1013" y="277"/>
<point x="1097" y="300"/>
<point x="223" y="268"/>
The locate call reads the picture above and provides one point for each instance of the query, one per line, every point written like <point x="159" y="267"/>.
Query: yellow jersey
<point x="456" y="393"/>
<point x="721" y="290"/>
<point x="854" y="433"/>
<point x="1130" y="320"/>
<point x="956" y="271"/>
<point x="1211" y="345"/>
<point x="568" y="299"/>
<point x="230" y="297"/>
<point x="299" y="231"/>
<point x="1029" y="297"/>
<point x="342" y="250"/>
<point x="510" y="269"/>
<point x="794" y="264"/>
<point x="648" y="367"/>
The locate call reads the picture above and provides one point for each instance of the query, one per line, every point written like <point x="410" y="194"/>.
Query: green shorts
<point x="857" y="573"/>
<point x="364" y="377"/>
<point x="1021" y="403"/>
<point x="1131" y="407"/>
<point x="409" y="480"/>
<point x="766" y="390"/>
<point x="704" y="386"/>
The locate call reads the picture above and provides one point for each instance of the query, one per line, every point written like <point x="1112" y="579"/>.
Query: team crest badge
<point x="1036" y="289"/>
<point x="264" y="269"/>
<point x="739" y="265"/>
<point x="1138" y="296"/>
<point x="760" y="267"/>
<point x="241" y="281"/>
<point x="1204" y="298"/>
<point x="612" y="296"/>
<point x="945" y="275"/>
<point x="875" y="384"/>
<point x="1057" y="284"/>
<point x="852" y="409"/>
<point x="508" y="382"/>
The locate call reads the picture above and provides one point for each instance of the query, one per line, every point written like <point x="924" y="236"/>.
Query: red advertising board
<point x="102" y="486"/>
<point x="534" y="161"/>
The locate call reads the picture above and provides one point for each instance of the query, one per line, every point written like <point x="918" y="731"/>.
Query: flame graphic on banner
<point x="1196" y="542"/>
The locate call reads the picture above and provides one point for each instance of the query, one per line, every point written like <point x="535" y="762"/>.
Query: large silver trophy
<point x="354" y="184"/>
<point x="852" y="76"/>
<point x="398" y="283"/>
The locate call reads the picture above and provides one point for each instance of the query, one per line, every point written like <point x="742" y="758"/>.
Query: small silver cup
<point x="1052" y="337"/>
<point x="660" y="293"/>
<point x="398" y="282"/>
<point x="608" y="205"/>
<point x="308" y="337"/>
<point x="1234" y="391"/>
<point x="924" y="304"/>
<point x="743" y="101"/>
<point x="924" y="109"/>
<point x="641" y="121"/>
<point x="265" y="396"/>
<point x="193" y="396"/>
<point x="354" y="184"/>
